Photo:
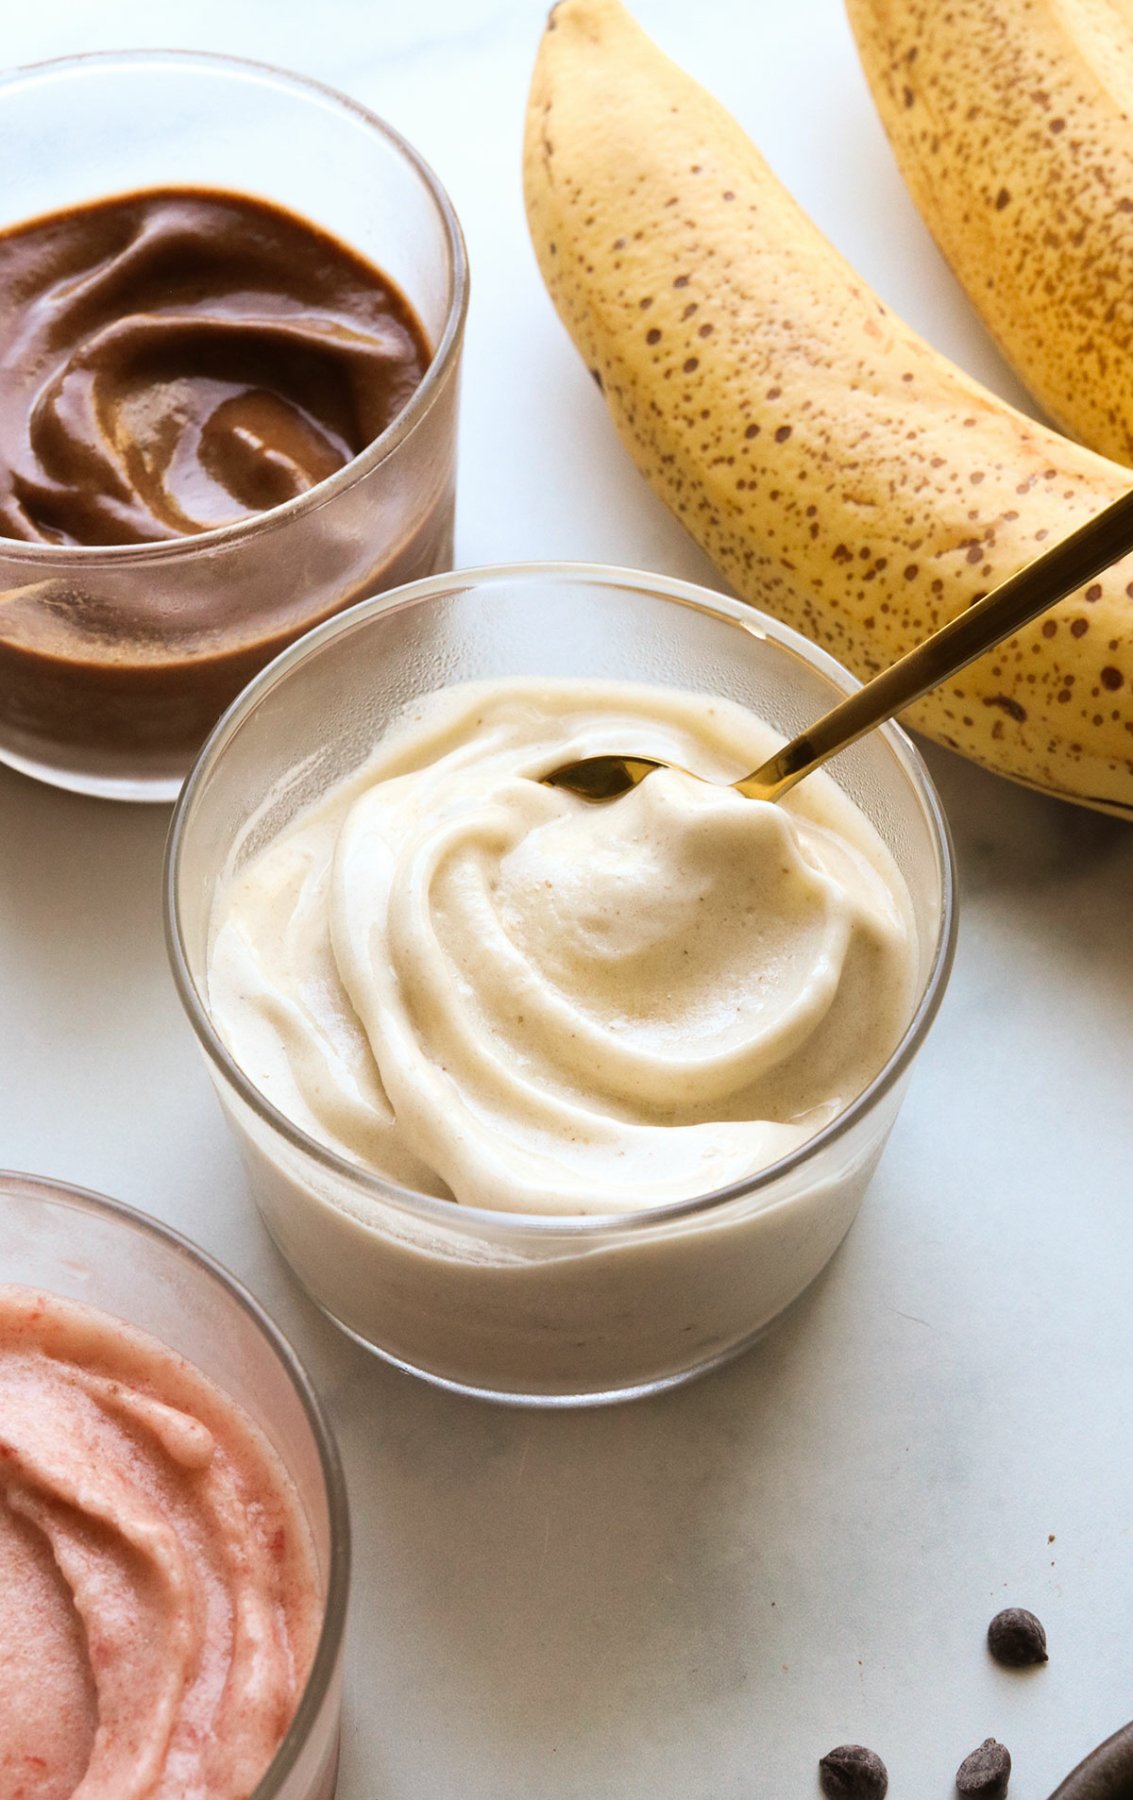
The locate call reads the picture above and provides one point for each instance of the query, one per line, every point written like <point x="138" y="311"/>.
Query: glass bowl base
<point x="639" y="1390"/>
<point x="151" y="789"/>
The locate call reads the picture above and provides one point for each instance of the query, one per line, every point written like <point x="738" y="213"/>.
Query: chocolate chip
<point x="1016" y="1638"/>
<point x="986" y="1772"/>
<point x="851" y="1772"/>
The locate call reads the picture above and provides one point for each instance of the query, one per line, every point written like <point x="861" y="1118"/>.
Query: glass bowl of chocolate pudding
<point x="480" y="1044"/>
<point x="174" y="1525"/>
<point x="232" y="305"/>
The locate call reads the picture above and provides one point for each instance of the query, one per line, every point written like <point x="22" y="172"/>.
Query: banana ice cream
<point x="493" y="992"/>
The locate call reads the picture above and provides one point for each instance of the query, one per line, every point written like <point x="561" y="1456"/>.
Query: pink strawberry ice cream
<point x="158" y="1594"/>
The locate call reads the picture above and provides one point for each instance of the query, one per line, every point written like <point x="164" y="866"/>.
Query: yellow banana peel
<point x="844" y="476"/>
<point x="1012" y="123"/>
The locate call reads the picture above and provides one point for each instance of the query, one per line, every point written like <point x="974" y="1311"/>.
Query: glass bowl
<point x="88" y="1248"/>
<point x="550" y="1310"/>
<point x="112" y="665"/>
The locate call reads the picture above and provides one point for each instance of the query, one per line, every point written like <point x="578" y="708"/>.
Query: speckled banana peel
<point x="1012" y="123"/>
<point x="844" y="475"/>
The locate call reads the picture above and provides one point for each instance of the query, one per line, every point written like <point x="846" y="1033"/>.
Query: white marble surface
<point x="692" y="1597"/>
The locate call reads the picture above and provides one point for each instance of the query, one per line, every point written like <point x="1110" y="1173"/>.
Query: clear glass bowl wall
<point x="513" y="1307"/>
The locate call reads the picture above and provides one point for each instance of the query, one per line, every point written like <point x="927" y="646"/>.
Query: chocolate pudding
<point x="173" y="363"/>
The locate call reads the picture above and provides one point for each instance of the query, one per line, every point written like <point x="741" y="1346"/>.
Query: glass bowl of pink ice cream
<point x="174" y="1535"/>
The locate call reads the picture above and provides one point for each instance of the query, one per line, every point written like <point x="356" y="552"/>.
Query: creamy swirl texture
<point x="176" y="360"/>
<point x="490" y="990"/>
<point x="157" y="1581"/>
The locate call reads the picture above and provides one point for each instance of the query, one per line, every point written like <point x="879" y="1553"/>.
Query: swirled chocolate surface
<point x="176" y="360"/>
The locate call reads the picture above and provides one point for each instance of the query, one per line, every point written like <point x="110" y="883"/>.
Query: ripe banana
<point x="1010" y="120"/>
<point x="843" y="474"/>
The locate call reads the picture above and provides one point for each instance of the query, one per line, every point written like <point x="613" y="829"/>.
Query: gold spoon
<point x="1072" y="562"/>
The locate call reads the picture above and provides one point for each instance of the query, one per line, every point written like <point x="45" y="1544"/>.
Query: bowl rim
<point x="381" y="1188"/>
<point x="14" y="1183"/>
<point x="420" y="403"/>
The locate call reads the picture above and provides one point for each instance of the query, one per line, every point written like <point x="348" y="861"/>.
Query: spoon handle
<point x="1074" y="560"/>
